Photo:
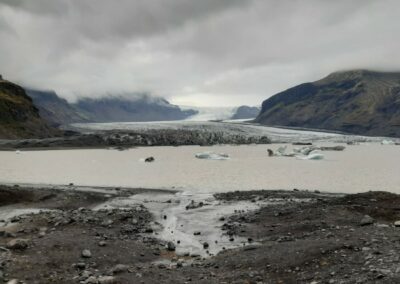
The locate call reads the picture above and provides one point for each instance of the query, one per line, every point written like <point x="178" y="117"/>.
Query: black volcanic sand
<point x="306" y="238"/>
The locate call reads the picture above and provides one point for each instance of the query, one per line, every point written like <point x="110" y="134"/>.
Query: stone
<point x="102" y="244"/>
<point x="86" y="274"/>
<point x="397" y="223"/>
<point x="194" y="205"/>
<point x="91" y="280"/>
<point x="107" y="280"/>
<point x="80" y="265"/>
<point x="86" y="253"/>
<point x="180" y="263"/>
<point x="206" y="245"/>
<point x="171" y="246"/>
<point x="149" y="159"/>
<point x="120" y="268"/>
<point x="17" y="244"/>
<point x="367" y="220"/>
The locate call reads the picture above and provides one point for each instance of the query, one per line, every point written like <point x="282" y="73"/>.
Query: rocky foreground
<point x="295" y="237"/>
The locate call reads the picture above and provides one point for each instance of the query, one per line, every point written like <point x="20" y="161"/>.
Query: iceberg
<point x="212" y="156"/>
<point x="312" y="156"/>
<point x="305" y="150"/>
<point x="304" y="153"/>
<point x="281" y="151"/>
<point x="387" y="142"/>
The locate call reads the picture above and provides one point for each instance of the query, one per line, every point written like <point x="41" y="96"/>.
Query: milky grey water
<point x="358" y="168"/>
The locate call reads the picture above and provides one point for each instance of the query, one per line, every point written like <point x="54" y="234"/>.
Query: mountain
<point x="19" y="118"/>
<point x="55" y="110"/>
<point x="246" y="112"/>
<point x="360" y="102"/>
<point x="138" y="108"/>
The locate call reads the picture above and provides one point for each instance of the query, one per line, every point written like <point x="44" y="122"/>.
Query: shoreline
<point x="289" y="236"/>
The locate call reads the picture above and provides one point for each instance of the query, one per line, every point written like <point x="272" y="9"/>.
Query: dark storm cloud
<point x="100" y="19"/>
<point x="192" y="51"/>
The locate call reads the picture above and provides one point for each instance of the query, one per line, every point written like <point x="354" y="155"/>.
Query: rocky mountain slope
<point x="360" y="101"/>
<point x="55" y="110"/>
<point x="19" y="118"/>
<point x="246" y="112"/>
<point x="123" y="109"/>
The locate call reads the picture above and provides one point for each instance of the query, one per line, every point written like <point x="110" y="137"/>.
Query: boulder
<point x="18" y="244"/>
<point x="171" y="246"/>
<point x="149" y="159"/>
<point x="367" y="220"/>
<point x="107" y="280"/>
<point x="194" y="205"/>
<point x="91" y="280"/>
<point x="86" y="253"/>
<point x="120" y="268"/>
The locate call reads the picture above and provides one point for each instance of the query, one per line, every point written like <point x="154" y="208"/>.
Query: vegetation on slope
<point x="19" y="118"/>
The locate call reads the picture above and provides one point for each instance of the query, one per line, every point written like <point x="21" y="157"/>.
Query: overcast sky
<point x="193" y="52"/>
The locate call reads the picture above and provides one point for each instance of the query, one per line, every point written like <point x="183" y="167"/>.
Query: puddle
<point x="8" y="213"/>
<point x="174" y="223"/>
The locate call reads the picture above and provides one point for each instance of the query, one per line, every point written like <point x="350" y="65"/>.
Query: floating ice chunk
<point x="281" y="151"/>
<point x="306" y="150"/>
<point x="387" y="142"/>
<point x="312" y="156"/>
<point x="212" y="156"/>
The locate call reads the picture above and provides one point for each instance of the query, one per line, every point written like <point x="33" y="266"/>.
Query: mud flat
<point x="121" y="236"/>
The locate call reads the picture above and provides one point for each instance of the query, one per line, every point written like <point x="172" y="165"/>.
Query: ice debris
<point x="212" y="156"/>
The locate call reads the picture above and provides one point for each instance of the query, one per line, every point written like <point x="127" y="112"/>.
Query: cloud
<point x="205" y="52"/>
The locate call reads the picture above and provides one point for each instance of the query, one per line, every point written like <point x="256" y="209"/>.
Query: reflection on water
<point x="358" y="168"/>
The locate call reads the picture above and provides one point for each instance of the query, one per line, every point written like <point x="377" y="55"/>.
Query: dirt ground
<point x="297" y="237"/>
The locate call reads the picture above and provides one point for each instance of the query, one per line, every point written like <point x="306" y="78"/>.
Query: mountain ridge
<point x="361" y="102"/>
<point x="19" y="117"/>
<point x="124" y="109"/>
<point x="54" y="109"/>
<point x="246" y="112"/>
<point x="114" y="108"/>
